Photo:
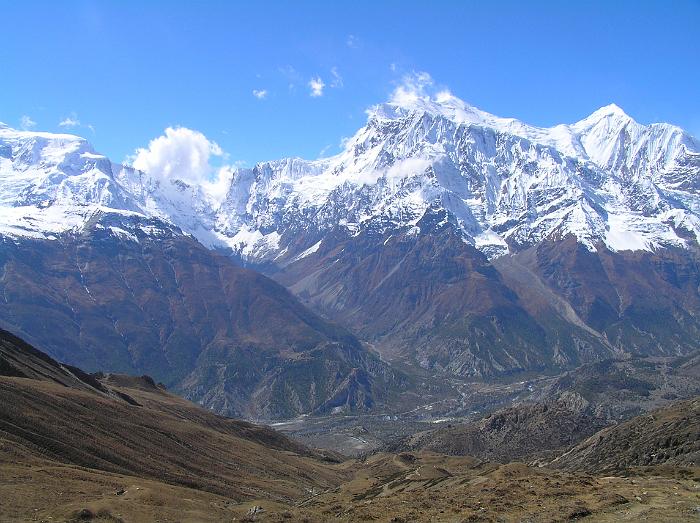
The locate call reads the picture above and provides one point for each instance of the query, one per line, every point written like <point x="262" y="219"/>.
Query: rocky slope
<point x="519" y="433"/>
<point x="433" y="301"/>
<point x="668" y="436"/>
<point x="438" y="303"/>
<point x="164" y="305"/>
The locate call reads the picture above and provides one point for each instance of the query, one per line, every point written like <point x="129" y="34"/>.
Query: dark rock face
<point x="168" y="307"/>
<point x="425" y="297"/>
<point x="642" y="302"/>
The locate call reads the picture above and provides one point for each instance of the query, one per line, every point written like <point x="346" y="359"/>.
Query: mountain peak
<point x="611" y="108"/>
<point x="11" y="132"/>
<point x="443" y="104"/>
<point x="610" y="111"/>
<point x="417" y="149"/>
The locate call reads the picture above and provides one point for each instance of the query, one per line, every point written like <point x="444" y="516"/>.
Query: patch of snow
<point x="309" y="251"/>
<point x="119" y="232"/>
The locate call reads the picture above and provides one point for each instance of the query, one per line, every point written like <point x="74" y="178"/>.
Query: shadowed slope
<point x="221" y="335"/>
<point x="156" y="435"/>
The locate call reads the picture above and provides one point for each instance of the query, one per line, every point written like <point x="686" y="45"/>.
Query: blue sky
<point x="127" y="70"/>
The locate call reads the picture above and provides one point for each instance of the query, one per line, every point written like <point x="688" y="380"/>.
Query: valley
<point x="107" y="447"/>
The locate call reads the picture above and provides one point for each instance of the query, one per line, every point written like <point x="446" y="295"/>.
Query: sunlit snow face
<point x="603" y="179"/>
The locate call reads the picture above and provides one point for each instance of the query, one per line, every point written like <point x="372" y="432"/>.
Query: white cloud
<point x="69" y="122"/>
<point x="260" y="94"/>
<point x="180" y="153"/>
<point x="444" y="96"/>
<point x="413" y="87"/>
<point x="352" y="42"/>
<point x="418" y="88"/>
<point x="72" y="121"/>
<point x="337" y="79"/>
<point x="407" y="168"/>
<point x="185" y="154"/>
<point x="218" y="186"/>
<point x="316" y="85"/>
<point x="26" y="122"/>
<point x="396" y="174"/>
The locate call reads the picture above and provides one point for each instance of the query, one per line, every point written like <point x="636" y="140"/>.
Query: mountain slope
<point x="557" y="247"/>
<point x="20" y="360"/>
<point x="434" y="301"/>
<point x="668" y="436"/>
<point x="519" y="433"/>
<point x="638" y="302"/>
<point x="616" y="390"/>
<point x="144" y="433"/>
<point x="430" y="299"/>
<point x="224" y="336"/>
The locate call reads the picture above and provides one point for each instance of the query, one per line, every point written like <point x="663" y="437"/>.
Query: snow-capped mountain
<point x="403" y="238"/>
<point x="51" y="182"/>
<point x="97" y="271"/>
<point x="606" y="180"/>
<point x="56" y="183"/>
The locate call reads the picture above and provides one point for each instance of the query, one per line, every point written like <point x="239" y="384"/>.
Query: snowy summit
<point x="606" y="179"/>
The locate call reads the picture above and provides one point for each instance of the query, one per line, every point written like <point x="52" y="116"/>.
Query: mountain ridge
<point x="558" y="247"/>
<point x="625" y="184"/>
<point x="227" y="337"/>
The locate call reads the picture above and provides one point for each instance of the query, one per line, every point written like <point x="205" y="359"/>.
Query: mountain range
<point x="506" y="185"/>
<point x="442" y="241"/>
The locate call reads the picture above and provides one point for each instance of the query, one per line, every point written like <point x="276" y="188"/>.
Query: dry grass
<point x="73" y="455"/>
